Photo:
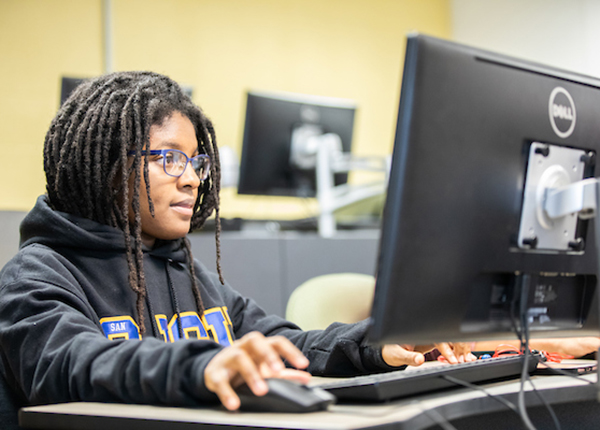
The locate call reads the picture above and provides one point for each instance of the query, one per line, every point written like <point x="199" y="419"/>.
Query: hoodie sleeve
<point x="339" y="350"/>
<point x="52" y="348"/>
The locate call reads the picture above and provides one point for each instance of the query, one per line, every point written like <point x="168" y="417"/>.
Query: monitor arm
<point x="313" y="149"/>
<point x="577" y="198"/>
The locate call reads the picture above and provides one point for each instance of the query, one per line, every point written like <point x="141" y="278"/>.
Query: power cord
<point x="510" y="405"/>
<point x="439" y="419"/>
<point x="523" y="335"/>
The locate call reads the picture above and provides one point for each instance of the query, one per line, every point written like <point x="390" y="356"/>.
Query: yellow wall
<point x="342" y="48"/>
<point x="39" y="42"/>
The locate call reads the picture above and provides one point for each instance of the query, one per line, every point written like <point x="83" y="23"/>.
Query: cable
<point x="522" y="335"/>
<point x="438" y="419"/>
<point x="521" y="398"/>
<point x="475" y="387"/>
<point x="537" y="393"/>
<point x="597" y="244"/>
<point x="524" y="317"/>
<point x="546" y="404"/>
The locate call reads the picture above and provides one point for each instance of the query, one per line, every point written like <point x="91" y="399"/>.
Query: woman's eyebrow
<point x="174" y="145"/>
<point x="168" y="144"/>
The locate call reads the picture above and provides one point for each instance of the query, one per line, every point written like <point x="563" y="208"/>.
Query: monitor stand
<point x="312" y="149"/>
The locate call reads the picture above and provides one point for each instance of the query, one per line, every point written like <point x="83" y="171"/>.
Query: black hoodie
<point x="66" y="312"/>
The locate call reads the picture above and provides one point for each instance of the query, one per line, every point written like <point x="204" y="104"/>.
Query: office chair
<point x="339" y="297"/>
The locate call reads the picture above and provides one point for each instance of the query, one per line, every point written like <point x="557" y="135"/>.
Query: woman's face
<point x="173" y="197"/>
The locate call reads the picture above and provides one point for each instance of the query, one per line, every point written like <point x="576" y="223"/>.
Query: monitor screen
<point x="462" y="241"/>
<point x="67" y="86"/>
<point x="267" y="165"/>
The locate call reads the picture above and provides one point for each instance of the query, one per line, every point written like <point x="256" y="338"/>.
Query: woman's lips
<point x="185" y="207"/>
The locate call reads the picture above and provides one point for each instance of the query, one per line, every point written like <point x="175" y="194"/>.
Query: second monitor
<point x="274" y="124"/>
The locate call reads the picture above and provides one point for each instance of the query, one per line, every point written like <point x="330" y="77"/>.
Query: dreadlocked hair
<point x="86" y="160"/>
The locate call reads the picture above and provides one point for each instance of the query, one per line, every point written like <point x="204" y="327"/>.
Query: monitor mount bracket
<point x="314" y="149"/>
<point x="555" y="194"/>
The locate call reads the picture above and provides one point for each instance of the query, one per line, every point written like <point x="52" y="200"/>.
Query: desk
<point x="462" y="406"/>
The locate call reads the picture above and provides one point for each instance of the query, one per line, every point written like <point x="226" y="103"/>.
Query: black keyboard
<point x="381" y="387"/>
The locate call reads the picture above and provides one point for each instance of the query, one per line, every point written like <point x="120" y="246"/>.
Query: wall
<point x="39" y="42"/>
<point x="560" y="33"/>
<point x="341" y="48"/>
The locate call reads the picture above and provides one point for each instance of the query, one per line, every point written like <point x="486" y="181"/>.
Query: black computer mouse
<point x="285" y="396"/>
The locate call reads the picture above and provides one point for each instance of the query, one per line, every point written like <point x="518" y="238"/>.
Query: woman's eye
<point x="169" y="159"/>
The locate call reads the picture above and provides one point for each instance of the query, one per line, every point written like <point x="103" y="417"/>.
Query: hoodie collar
<point x="56" y="229"/>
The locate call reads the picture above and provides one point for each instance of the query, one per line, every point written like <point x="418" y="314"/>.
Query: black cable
<point x="439" y="419"/>
<point x="523" y="280"/>
<point x="524" y="317"/>
<point x="513" y="303"/>
<point x="538" y="394"/>
<point x="475" y="387"/>
<point x="597" y="243"/>
<point x="546" y="404"/>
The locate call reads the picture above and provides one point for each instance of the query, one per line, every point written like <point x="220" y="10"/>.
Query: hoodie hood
<point x="55" y="229"/>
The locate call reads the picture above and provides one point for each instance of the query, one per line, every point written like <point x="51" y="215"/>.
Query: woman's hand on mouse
<point x="400" y="355"/>
<point x="251" y="359"/>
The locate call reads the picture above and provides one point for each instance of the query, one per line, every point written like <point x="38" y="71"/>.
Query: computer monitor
<point x="274" y="124"/>
<point x="480" y="139"/>
<point x="67" y="86"/>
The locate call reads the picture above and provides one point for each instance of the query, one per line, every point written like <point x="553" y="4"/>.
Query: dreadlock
<point x="86" y="152"/>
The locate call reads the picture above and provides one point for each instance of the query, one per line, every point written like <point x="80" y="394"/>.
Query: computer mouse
<point x="285" y="396"/>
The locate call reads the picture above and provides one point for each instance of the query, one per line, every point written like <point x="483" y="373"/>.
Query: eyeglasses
<point x="175" y="162"/>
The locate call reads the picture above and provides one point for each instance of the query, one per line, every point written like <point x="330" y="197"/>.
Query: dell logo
<point x="562" y="112"/>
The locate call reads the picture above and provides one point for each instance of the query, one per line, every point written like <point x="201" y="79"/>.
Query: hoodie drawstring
<point x="152" y="317"/>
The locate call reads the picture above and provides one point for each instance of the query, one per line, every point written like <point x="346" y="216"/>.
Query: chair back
<point x="339" y="297"/>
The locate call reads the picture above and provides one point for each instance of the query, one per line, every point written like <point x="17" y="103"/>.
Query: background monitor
<point x="457" y="251"/>
<point x="271" y="120"/>
<point x="68" y="84"/>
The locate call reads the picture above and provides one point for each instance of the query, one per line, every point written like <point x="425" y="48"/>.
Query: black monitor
<point x="67" y="86"/>
<point x="479" y="137"/>
<point x="273" y="121"/>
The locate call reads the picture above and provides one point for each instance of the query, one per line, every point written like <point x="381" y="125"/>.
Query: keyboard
<point x="382" y="387"/>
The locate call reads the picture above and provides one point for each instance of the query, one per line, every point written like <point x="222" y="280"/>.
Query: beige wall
<point x="560" y="33"/>
<point x="341" y="48"/>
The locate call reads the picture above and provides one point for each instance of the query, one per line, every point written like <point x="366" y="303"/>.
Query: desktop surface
<point x="419" y="412"/>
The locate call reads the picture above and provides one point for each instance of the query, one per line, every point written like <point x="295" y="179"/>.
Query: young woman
<point x="104" y="301"/>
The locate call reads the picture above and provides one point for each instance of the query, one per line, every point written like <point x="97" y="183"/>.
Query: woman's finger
<point x="447" y="352"/>
<point x="296" y="375"/>
<point x="395" y="355"/>
<point x="226" y="394"/>
<point x="262" y="351"/>
<point x="462" y="351"/>
<point x="286" y="349"/>
<point x="230" y="364"/>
